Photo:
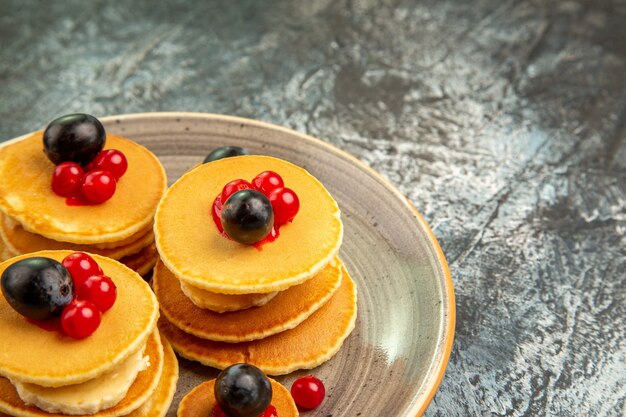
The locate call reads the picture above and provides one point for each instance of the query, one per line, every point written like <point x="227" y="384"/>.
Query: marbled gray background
<point x="504" y="122"/>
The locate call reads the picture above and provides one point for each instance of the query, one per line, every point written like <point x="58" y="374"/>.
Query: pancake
<point x="222" y="303"/>
<point x="199" y="402"/>
<point x="47" y="358"/>
<point x="4" y="251"/>
<point x="159" y="402"/>
<point x="142" y="262"/>
<point x="192" y="248"/>
<point x="288" y="309"/>
<point x="43" y="212"/>
<point x="21" y="241"/>
<point x="308" y="345"/>
<point x="143" y="387"/>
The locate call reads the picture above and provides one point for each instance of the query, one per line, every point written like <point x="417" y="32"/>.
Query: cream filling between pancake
<point x="89" y="397"/>
<point x="222" y="303"/>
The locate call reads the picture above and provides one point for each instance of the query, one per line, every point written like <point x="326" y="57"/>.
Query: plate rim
<point x="433" y="383"/>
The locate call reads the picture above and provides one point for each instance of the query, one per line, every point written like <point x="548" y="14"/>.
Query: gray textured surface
<point x="504" y="122"/>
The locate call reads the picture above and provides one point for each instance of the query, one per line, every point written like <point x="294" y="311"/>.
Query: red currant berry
<point x="270" y="411"/>
<point x="217" y="411"/>
<point x="110" y="160"/>
<point x="308" y="392"/>
<point x="81" y="266"/>
<point x="100" y="290"/>
<point x="80" y="319"/>
<point x="232" y="187"/>
<point x="66" y="179"/>
<point x="98" y="186"/>
<point x="285" y="203"/>
<point x="267" y="181"/>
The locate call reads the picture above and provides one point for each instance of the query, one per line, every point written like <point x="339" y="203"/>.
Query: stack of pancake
<point x="33" y="217"/>
<point x="286" y="305"/>
<point x="123" y="369"/>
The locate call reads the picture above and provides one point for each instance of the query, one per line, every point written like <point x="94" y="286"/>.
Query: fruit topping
<point x="98" y="186"/>
<point x="225" y="152"/>
<point x="67" y="178"/>
<point x="270" y="411"/>
<point x="247" y="216"/>
<point x="80" y="319"/>
<point x="95" y="294"/>
<point x="37" y="288"/>
<point x="217" y="411"/>
<point x="267" y="181"/>
<point x="243" y="390"/>
<point x="100" y="290"/>
<point x="76" y="289"/>
<point x="232" y="187"/>
<point x="111" y="160"/>
<point x="308" y="392"/>
<point x="77" y="140"/>
<point x="74" y="137"/>
<point x="285" y="203"/>
<point x="81" y="266"/>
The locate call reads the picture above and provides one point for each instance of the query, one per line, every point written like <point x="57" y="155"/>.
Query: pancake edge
<point x="275" y="370"/>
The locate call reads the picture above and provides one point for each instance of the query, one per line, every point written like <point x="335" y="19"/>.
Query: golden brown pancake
<point x="161" y="399"/>
<point x="199" y="402"/>
<point x="26" y="195"/>
<point x="288" y="309"/>
<point x="21" y="241"/>
<point x="222" y="303"/>
<point x="142" y="262"/>
<point x="192" y="248"/>
<point x="306" y="346"/>
<point x="143" y="387"/>
<point x="4" y="251"/>
<point x="47" y="358"/>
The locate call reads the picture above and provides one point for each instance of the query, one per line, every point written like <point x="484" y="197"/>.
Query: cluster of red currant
<point x="252" y="212"/>
<point x="94" y="294"/>
<point x="96" y="183"/>
<point x="284" y="200"/>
